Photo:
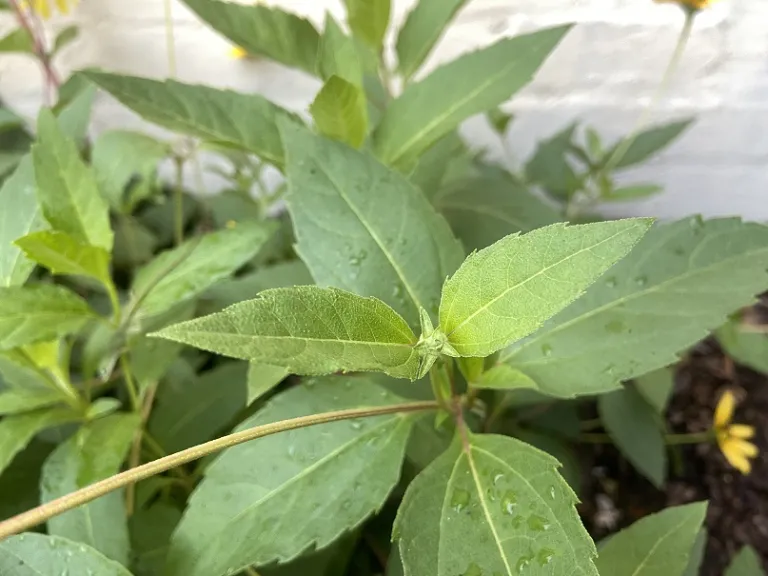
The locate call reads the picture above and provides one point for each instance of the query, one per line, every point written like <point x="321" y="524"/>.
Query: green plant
<point x="383" y="382"/>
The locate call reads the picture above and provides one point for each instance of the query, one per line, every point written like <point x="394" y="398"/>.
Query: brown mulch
<point x="615" y="495"/>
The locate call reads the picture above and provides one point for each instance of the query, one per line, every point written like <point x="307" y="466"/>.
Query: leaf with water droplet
<point x="33" y="554"/>
<point x="681" y="300"/>
<point x="279" y="509"/>
<point x="524" y="527"/>
<point x="307" y="330"/>
<point x="508" y="290"/>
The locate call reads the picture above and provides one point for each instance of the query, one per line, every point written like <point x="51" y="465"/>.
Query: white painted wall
<point x="603" y="73"/>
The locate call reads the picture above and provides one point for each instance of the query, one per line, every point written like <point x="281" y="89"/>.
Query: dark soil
<point x="616" y="496"/>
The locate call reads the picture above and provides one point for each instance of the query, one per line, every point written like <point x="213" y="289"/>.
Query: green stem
<point x="624" y="146"/>
<point x="42" y="513"/>
<point x="178" y="196"/>
<point x="130" y="383"/>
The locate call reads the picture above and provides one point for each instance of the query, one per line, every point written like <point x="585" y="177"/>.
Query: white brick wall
<point x="603" y="73"/>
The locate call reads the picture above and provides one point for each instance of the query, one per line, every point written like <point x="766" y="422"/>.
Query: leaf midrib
<point x="302" y="339"/>
<point x="657" y="544"/>
<point x="503" y="358"/>
<point x="488" y="304"/>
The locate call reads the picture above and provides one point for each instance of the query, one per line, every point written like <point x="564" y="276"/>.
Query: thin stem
<point x="178" y="198"/>
<point x="170" y="42"/>
<point x="39" y="47"/>
<point x="135" y="458"/>
<point x="624" y="145"/>
<point x="58" y="506"/>
<point x="130" y="383"/>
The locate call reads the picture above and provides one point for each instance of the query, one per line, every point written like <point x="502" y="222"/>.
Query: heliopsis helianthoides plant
<point x="733" y="439"/>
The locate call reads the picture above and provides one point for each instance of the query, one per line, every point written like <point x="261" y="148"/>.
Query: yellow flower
<point x="733" y="438"/>
<point x="45" y="8"/>
<point x="237" y="52"/>
<point x="690" y="4"/>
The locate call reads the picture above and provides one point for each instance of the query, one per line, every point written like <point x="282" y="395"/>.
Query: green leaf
<point x="319" y="482"/>
<point x="745" y="563"/>
<point x="63" y="38"/>
<point x="549" y="165"/>
<point x="469" y="85"/>
<point x="38" y="313"/>
<point x="363" y="227"/>
<point x="234" y="290"/>
<point x="340" y="112"/>
<point x="67" y="188"/>
<point x="307" y="330"/>
<point x="32" y="554"/>
<point x="19" y="400"/>
<point x="95" y="452"/>
<point x="262" y="378"/>
<point x="74" y="108"/>
<point x="421" y="31"/>
<point x="484" y="209"/>
<point x="9" y="120"/>
<point x="697" y="554"/>
<point x="368" y="20"/>
<point x="17" y="431"/>
<point x="635" y="192"/>
<point x="747" y="348"/>
<point x="503" y="377"/>
<point x="134" y="243"/>
<point x="120" y="155"/>
<point x="431" y="171"/>
<point x="339" y="55"/>
<point x="649" y="142"/>
<point x="63" y="254"/>
<point x="636" y="429"/>
<point x="657" y="388"/>
<point x="492" y="505"/>
<point x="17" y="40"/>
<point x="151" y="531"/>
<point x="182" y="273"/>
<point x="190" y="410"/>
<point x="657" y="544"/>
<point x="679" y="282"/>
<point x="19" y="482"/>
<point x="499" y="120"/>
<point x="263" y="30"/>
<point x="245" y="121"/>
<point x="20" y="216"/>
<point x="507" y="290"/>
<point x="561" y="450"/>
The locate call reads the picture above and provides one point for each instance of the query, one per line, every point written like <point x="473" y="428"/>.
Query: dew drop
<point x="345" y="505"/>
<point x="538" y="523"/>
<point x="508" y="502"/>
<point x="544" y="556"/>
<point x="546" y="349"/>
<point x="611" y="282"/>
<point x="641" y="281"/>
<point x="696" y="223"/>
<point x="552" y="492"/>
<point x="291" y="451"/>
<point x="491" y="493"/>
<point x="473" y="570"/>
<point x="615" y="327"/>
<point x="498" y="476"/>
<point x="397" y="291"/>
<point x="356" y="425"/>
<point x="53" y="543"/>
<point x="460" y="499"/>
<point x="348" y="384"/>
<point x="523" y="562"/>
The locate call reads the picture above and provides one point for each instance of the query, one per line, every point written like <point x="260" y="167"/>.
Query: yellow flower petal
<point x="695" y="4"/>
<point x="724" y="410"/>
<point x="743" y="447"/>
<point x="63" y="6"/>
<point x="741" y="431"/>
<point x="42" y="9"/>
<point x="237" y="52"/>
<point x="735" y="456"/>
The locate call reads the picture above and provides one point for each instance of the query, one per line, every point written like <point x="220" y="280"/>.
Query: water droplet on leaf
<point x="611" y="282"/>
<point x="641" y="281"/>
<point x="546" y="349"/>
<point x="523" y="562"/>
<point x="356" y="425"/>
<point x="544" y="556"/>
<point x="508" y="502"/>
<point x="498" y="476"/>
<point x="538" y="523"/>
<point x="552" y="492"/>
<point x="615" y="326"/>
<point x="473" y="570"/>
<point x="460" y="499"/>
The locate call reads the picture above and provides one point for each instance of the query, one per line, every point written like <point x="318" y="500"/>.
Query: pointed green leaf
<point x="74" y="108"/>
<point x="697" y="554"/>
<point x="368" y="20"/>
<point x="67" y="188"/>
<point x="18" y="400"/>
<point x="421" y="31"/>
<point x="636" y="429"/>
<point x="506" y="291"/>
<point x="313" y="484"/>
<point x="492" y="505"/>
<point x="32" y="554"/>
<point x="64" y="254"/>
<point x="307" y="330"/>
<point x="263" y="30"/>
<point x="245" y="121"/>
<point x="747" y="348"/>
<point x="503" y="377"/>
<point x="192" y="409"/>
<point x="182" y="273"/>
<point x="95" y="452"/>
<point x="120" y="155"/>
<point x="434" y="165"/>
<point x="17" y="431"/>
<point x="651" y="141"/>
<point x="339" y="55"/>
<point x="65" y="37"/>
<point x="679" y="282"/>
<point x="469" y="85"/>
<point x="745" y="563"/>
<point x="657" y="544"/>
<point x="549" y="166"/>
<point x="363" y="227"/>
<point x="482" y="210"/>
<point x="657" y="388"/>
<point x="18" y="40"/>
<point x="20" y="216"/>
<point x="262" y="378"/>
<point x="37" y="313"/>
<point x="340" y="112"/>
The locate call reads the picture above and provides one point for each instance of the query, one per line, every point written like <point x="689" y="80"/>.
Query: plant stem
<point x="130" y="383"/>
<point x="134" y="458"/>
<point x="58" y="506"/>
<point x="178" y="198"/>
<point x="624" y="146"/>
<point x="52" y="80"/>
